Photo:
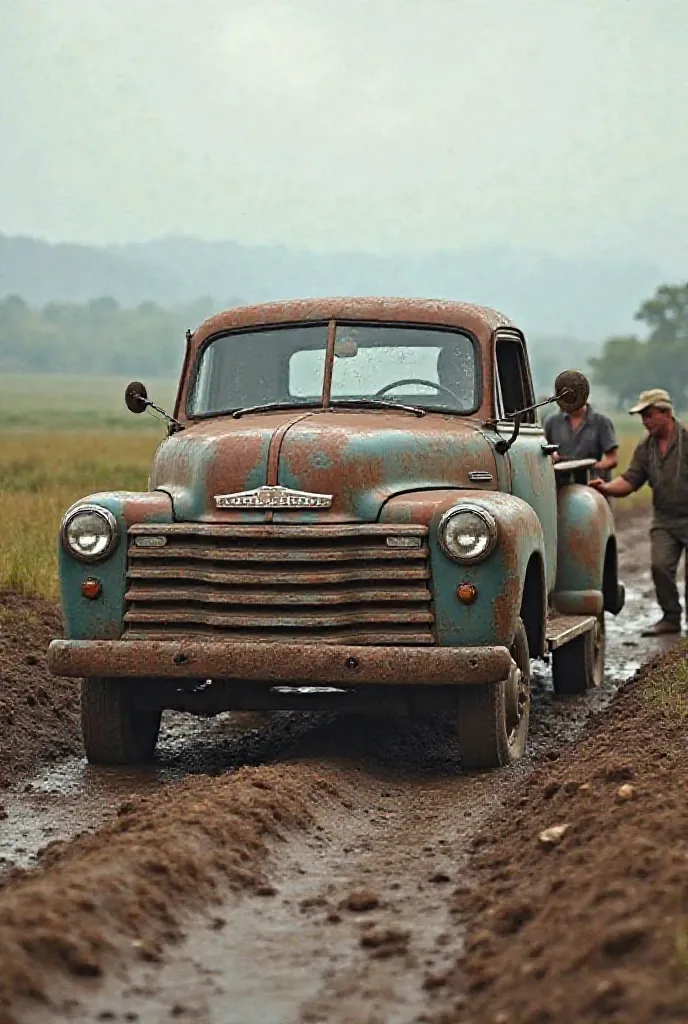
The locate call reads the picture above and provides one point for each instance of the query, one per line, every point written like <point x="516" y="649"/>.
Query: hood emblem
<point x="273" y="497"/>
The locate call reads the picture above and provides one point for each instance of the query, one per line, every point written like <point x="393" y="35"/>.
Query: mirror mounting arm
<point x="173" y="425"/>
<point x="503" y="445"/>
<point x="562" y="395"/>
<point x="137" y="401"/>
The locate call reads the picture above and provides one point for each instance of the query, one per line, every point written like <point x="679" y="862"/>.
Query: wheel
<point x="114" y="730"/>
<point x="493" y="718"/>
<point x="579" y="665"/>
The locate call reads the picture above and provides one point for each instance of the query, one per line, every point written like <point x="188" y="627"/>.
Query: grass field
<point x="55" y="402"/>
<point x="63" y="438"/>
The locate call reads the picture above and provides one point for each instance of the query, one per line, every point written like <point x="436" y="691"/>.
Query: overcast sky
<point x="403" y="125"/>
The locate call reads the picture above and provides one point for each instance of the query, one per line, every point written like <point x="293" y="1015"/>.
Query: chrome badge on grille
<point x="273" y="497"/>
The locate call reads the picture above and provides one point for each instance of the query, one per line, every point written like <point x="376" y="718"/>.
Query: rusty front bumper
<point x="273" y="663"/>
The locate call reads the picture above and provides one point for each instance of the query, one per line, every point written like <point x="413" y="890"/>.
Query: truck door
<point x="531" y="469"/>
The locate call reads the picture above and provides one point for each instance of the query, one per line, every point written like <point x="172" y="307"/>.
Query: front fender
<point x="103" y="619"/>
<point x="499" y="579"/>
<point x="585" y="527"/>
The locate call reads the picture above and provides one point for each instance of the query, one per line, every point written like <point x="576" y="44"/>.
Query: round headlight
<point x="467" y="534"/>
<point x="89" y="533"/>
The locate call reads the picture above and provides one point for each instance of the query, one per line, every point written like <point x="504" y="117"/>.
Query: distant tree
<point x="666" y="316"/>
<point x="629" y="364"/>
<point x="621" y="368"/>
<point x="98" y="337"/>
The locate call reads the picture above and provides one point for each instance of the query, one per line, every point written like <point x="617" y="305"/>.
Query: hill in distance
<point x="547" y="295"/>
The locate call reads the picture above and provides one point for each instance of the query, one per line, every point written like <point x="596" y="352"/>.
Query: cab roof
<point x="481" y="321"/>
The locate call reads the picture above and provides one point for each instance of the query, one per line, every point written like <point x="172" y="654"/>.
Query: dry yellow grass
<point x="41" y="475"/>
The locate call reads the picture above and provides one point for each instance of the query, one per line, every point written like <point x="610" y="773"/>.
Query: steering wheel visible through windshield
<point x="425" y="367"/>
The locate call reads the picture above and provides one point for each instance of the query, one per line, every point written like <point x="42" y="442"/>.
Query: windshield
<point x="420" y="366"/>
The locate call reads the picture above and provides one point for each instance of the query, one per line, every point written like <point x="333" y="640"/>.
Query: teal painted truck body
<point x="329" y="523"/>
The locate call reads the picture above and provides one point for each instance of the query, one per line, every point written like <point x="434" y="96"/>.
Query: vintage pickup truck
<point x="356" y="508"/>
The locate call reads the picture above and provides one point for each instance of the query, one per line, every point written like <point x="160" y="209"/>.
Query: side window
<point x="514" y="390"/>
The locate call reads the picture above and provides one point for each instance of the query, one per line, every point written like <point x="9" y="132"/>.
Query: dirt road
<point x="316" y="888"/>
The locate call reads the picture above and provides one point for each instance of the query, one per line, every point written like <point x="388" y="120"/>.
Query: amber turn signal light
<point x="467" y="593"/>
<point x="91" y="588"/>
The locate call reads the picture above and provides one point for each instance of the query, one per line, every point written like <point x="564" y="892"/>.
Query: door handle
<point x="549" y="449"/>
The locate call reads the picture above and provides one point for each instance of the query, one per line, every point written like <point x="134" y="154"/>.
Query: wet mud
<point x="38" y="714"/>
<point x="576" y="906"/>
<point x="355" y="922"/>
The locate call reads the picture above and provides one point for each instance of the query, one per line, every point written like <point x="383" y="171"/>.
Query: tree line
<point x="103" y="338"/>
<point x="99" y="338"/>
<point x="628" y="364"/>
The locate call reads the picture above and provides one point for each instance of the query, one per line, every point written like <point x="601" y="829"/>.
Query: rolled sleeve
<point x="608" y="441"/>
<point x="636" y="474"/>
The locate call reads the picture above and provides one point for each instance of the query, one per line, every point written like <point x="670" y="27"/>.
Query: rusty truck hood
<point x="360" y="458"/>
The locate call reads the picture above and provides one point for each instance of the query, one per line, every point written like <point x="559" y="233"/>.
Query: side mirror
<point x="136" y="397"/>
<point x="571" y="390"/>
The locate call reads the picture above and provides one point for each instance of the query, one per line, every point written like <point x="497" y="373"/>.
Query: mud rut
<point x="356" y="926"/>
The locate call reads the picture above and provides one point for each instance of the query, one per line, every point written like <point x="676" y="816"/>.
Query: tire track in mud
<point x="70" y="797"/>
<point x="300" y="955"/>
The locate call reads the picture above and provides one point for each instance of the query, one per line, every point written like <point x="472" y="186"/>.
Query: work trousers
<point x="667" y="543"/>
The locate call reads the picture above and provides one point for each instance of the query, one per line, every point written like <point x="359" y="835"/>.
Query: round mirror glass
<point x="572" y="389"/>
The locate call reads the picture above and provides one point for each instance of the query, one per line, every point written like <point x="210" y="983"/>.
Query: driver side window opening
<point x="513" y="387"/>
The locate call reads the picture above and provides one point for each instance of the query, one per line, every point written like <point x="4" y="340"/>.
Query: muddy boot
<point x="661" y="628"/>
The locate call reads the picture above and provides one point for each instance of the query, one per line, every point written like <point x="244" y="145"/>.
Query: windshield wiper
<point x="269" y="406"/>
<point x="379" y="403"/>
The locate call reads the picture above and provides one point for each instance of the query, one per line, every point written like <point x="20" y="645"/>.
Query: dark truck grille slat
<point x="335" y="584"/>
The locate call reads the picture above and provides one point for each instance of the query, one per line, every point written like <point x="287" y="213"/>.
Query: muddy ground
<point x="327" y="868"/>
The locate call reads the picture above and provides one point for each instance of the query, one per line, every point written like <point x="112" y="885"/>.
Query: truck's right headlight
<point x="89" y="533"/>
<point x="467" y="533"/>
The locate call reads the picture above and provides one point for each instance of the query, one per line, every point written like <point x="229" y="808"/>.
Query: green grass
<point x="34" y="402"/>
<point x="667" y="688"/>
<point x="682" y="944"/>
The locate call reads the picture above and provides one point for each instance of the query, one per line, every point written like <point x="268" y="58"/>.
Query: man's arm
<point x="618" y="488"/>
<point x="609" y="445"/>
<point x="609" y="460"/>
<point x="634" y="477"/>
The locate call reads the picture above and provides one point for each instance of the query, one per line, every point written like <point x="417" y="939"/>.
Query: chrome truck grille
<point x="326" y="584"/>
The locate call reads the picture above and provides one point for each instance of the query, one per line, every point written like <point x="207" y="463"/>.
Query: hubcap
<point x="597" y="649"/>
<point x="512" y="701"/>
<point x="516" y="694"/>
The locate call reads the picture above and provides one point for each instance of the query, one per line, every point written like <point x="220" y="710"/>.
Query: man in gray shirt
<point x="661" y="460"/>
<point x="585" y="434"/>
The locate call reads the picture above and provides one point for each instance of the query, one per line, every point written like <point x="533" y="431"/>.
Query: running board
<point x="563" y="628"/>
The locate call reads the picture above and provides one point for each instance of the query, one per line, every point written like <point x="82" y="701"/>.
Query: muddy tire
<point x="114" y="730"/>
<point x="493" y="719"/>
<point x="579" y="665"/>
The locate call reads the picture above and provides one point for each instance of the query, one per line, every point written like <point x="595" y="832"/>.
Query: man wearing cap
<point x="584" y="434"/>
<point x="661" y="460"/>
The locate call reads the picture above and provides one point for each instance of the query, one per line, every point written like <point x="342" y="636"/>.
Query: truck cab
<point x="355" y="507"/>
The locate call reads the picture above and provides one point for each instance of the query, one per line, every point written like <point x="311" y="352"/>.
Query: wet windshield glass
<point x="253" y="368"/>
<point x="413" y="365"/>
<point x="416" y="366"/>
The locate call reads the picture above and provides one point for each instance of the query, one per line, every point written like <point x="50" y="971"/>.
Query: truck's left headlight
<point x="467" y="533"/>
<point x="89" y="533"/>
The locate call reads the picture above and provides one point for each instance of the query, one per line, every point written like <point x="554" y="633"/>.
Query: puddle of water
<point x="63" y="801"/>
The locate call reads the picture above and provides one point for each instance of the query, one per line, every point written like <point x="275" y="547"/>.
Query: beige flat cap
<point x="655" y="396"/>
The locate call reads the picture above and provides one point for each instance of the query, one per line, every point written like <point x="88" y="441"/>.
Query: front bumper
<point x="274" y="663"/>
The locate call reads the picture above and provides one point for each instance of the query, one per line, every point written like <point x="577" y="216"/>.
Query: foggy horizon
<point x="373" y="126"/>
